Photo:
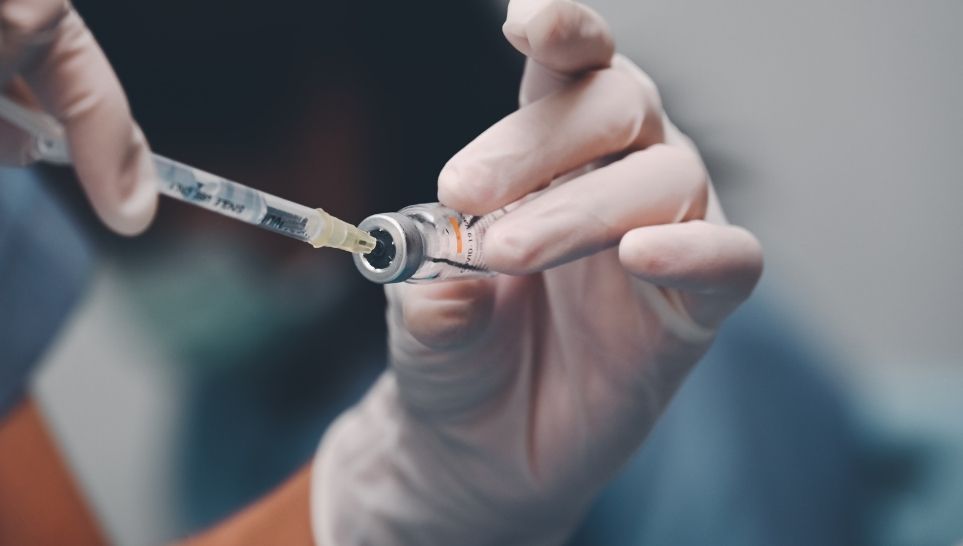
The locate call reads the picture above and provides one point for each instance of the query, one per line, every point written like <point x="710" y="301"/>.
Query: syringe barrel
<point x="235" y="200"/>
<point x="205" y="190"/>
<point x="426" y="243"/>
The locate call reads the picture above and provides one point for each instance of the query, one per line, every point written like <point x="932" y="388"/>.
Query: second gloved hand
<point x="511" y="401"/>
<point x="50" y="61"/>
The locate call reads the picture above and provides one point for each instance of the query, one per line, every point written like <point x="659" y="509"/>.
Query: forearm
<point x="39" y="502"/>
<point x="281" y="517"/>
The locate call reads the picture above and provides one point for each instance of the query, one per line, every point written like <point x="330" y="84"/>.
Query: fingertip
<point x="136" y="211"/>
<point x="570" y="37"/>
<point x="718" y="265"/>
<point x="520" y="12"/>
<point x="514" y="251"/>
<point x="464" y="188"/>
<point x="753" y="260"/>
<point x="132" y="216"/>
<point x="515" y="34"/>
<point x="563" y="35"/>
<point x="448" y="187"/>
<point x="129" y="206"/>
<point x="125" y="196"/>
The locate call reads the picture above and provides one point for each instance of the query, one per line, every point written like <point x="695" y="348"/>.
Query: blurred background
<point x="190" y="379"/>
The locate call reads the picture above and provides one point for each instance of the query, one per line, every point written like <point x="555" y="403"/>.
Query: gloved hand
<point x="49" y="60"/>
<point x="510" y="402"/>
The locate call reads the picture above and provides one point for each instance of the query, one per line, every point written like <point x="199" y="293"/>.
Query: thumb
<point x="443" y="316"/>
<point x="434" y="334"/>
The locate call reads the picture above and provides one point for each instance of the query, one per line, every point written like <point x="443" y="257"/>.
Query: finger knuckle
<point x="553" y="27"/>
<point x="621" y="88"/>
<point x="447" y="322"/>
<point x="441" y="330"/>
<point x="510" y="251"/>
<point x="645" y="82"/>
<point x="685" y="166"/>
<point x="647" y="100"/>
<point x="620" y="98"/>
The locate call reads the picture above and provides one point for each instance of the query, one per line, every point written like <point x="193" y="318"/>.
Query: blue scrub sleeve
<point x="44" y="267"/>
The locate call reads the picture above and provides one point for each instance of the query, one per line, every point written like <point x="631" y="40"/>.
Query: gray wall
<point x="835" y="132"/>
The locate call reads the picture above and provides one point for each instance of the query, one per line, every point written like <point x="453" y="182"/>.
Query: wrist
<point x="381" y="476"/>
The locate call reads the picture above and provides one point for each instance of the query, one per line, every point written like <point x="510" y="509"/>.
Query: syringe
<point x="209" y="191"/>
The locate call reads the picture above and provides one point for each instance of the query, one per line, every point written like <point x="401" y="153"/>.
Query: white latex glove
<point x="511" y="401"/>
<point x="49" y="60"/>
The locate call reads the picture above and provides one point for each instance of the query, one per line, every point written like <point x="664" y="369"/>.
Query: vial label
<point x="465" y="234"/>
<point x="462" y="253"/>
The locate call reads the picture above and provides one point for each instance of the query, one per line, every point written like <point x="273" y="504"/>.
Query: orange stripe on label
<point x="455" y="226"/>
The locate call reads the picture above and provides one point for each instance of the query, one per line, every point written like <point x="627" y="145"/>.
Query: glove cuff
<point x="381" y="477"/>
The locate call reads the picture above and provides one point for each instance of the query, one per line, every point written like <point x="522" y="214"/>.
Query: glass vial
<point x="425" y="243"/>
